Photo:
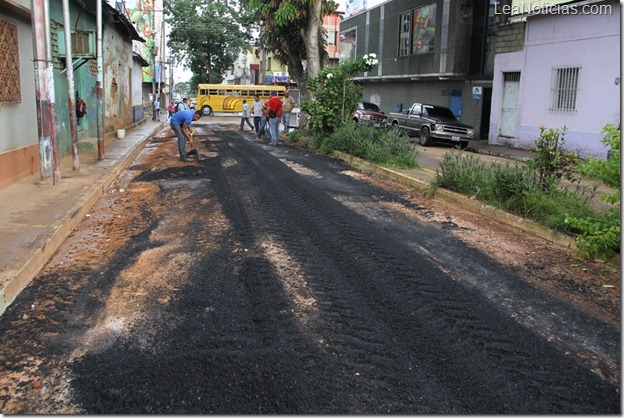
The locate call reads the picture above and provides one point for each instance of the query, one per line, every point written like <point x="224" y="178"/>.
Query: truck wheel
<point x="463" y="145"/>
<point x="425" y="136"/>
<point x="206" y="110"/>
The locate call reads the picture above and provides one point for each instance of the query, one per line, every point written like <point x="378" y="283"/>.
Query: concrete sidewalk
<point x="37" y="218"/>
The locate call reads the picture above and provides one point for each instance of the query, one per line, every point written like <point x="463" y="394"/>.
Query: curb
<point x="473" y="205"/>
<point x="26" y="266"/>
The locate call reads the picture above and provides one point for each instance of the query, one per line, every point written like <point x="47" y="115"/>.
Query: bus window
<point x="236" y="93"/>
<point x="221" y="93"/>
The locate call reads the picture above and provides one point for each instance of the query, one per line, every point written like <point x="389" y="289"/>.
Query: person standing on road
<point x="180" y="123"/>
<point x="245" y="116"/>
<point x="258" y="116"/>
<point x="274" y="106"/>
<point x="265" y="118"/>
<point x="156" y="115"/>
<point x="183" y="105"/>
<point x="170" y="110"/>
<point x="288" y="104"/>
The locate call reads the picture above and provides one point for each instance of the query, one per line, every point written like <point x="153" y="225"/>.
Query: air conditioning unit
<point x="83" y="43"/>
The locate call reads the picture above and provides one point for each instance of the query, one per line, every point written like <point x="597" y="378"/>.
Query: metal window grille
<point x="405" y="25"/>
<point x="9" y="63"/>
<point x="512" y="77"/>
<point x="54" y="43"/>
<point x="564" y="89"/>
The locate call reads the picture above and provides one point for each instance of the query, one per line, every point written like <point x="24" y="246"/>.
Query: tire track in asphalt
<point x="322" y="215"/>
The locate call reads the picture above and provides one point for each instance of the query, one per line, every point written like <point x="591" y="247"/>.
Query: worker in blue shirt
<point x="180" y="123"/>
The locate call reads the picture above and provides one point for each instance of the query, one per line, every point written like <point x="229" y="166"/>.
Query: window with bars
<point x="564" y="89"/>
<point x="9" y="63"/>
<point x="405" y="20"/>
<point x="512" y="76"/>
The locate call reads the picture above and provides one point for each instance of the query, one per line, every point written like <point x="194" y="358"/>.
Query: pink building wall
<point x="591" y="42"/>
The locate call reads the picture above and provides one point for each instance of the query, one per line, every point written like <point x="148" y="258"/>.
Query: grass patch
<point x="379" y="146"/>
<point x="517" y="188"/>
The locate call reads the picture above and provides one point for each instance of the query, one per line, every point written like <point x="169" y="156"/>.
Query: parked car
<point x="370" y="113"/>
<point x="432" y="123"/>
<point x="193" y="103"/>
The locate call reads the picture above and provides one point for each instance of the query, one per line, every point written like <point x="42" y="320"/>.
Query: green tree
<point x="208" y="34"/>
<point x="292" y="30"/>
<point x="335" y="95"/>
<point x="183" y="88"/>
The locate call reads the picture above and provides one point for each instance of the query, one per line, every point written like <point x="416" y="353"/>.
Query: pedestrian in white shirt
<point x="258" y="115"/>
<point x="245" y="116"/>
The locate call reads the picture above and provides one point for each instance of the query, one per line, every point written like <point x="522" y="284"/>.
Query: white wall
<point x="137" y="83"/>
<point x="591" y="42"/>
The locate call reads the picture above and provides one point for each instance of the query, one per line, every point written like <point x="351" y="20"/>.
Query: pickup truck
<point x="370" y="113"/>
<point x="432" y="123"/>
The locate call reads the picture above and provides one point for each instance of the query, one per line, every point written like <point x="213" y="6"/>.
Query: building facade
<point x="20" y="149"/>
<point x="429" y="51"/>
<point x="558" y="69"/>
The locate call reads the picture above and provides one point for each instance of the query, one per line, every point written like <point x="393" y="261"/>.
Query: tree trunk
<point x="311" y="38"/>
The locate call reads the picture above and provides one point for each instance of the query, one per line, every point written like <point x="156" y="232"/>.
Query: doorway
<point x="455" y="102"/>
<point x="509" y="110"/>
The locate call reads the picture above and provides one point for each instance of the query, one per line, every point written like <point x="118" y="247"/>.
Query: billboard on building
<point x="141" y="14"/>
<point x="353" y="7"/>
<point x="424" y="29"/>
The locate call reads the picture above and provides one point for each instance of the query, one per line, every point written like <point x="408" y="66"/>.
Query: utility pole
<point x="171" y="85"/>
<point x="44" y="90"/>
<point x="153" y="51"/>
<point x="161" y="76"/>
<point x="100" y="82"/>
<point x="70" y="86"/>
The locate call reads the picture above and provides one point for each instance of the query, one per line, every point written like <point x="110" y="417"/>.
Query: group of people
<point x="185" y="104"/>
<point x="172" y="108"/>
<point x="269" y="113"/>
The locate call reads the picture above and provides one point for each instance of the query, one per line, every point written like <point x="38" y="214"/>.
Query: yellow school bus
<point x="229" y="97"/>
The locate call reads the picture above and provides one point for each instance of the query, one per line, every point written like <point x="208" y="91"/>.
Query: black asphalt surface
<point x="318" y="298"/>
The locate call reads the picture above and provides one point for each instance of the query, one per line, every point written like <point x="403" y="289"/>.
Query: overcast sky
<point x="369" y="4"/>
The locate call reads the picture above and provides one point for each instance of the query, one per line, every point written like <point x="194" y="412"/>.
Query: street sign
<point x="477" y="93"/>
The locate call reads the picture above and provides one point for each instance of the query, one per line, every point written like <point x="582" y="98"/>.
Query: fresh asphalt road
<point x="264" y="279"/>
